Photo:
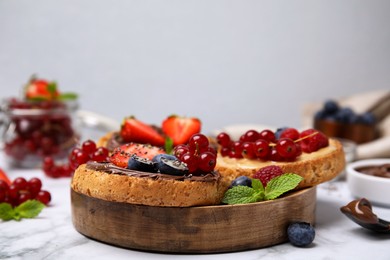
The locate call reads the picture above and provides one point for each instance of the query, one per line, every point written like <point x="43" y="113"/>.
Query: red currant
<point x="262" y="149"/>
<point x="88" y="147"/>
<point x="223" y="139"/>
<point x="248" y="150"/>
<point x="250" y="136"/>
<point x="286" y="148"/>
<point x="275" y="156"/>
<point x="237" y="147"/>
<point x="13" y="192"/>
<point x="100" y="154"/>
<point x="2" y="195"/>
<point x="20" y="183"/>
<point x="291" y="133"/>
<point x="198" y="143"/>
<point x="267" y="135"/>
<point x="180" y="150"/>
<point x="44" y="197"/>
<point x="207" y="161"/>
<point x="191" y="161"/>
<point x="225" y="151"/>
<point x="24" y="196"/>
<point x="4" y="185"/>
<point x="34" y="185"/>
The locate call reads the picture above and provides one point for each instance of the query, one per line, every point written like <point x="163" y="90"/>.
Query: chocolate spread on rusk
<point x="113" y="169"/>
<point x="376" y="170"/>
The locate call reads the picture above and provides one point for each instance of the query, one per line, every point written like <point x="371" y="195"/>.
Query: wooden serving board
<point x="207" y="229"/>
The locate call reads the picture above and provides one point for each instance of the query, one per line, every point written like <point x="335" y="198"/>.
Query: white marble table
<point x="51" y="235"/>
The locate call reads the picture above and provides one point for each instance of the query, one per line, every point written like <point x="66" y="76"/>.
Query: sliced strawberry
<point x="180" y="129"/>
<point x="133" y="130"/>
<point x="38" y="89"/>
<point x="122" y="154"/>
<point x="4" y="177"/>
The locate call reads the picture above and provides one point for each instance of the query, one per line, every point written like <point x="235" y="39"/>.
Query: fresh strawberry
<point x="4" y="177"/>
<point x="267" y="173"/>
<point x="122" y="154"/>
<point x="180" y="129"/>
<point x="133" y="130"/>
<point x="38" y="89"/>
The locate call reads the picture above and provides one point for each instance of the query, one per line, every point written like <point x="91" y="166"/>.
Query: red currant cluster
<point x="21" y="190"/>
<point x="197" y="154"/>
<point x="265" y="145"/>
<point x="78" y="156"/>
<point x="37" y="131"/>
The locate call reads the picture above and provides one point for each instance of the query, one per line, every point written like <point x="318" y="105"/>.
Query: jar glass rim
<point x="66" y="106"/>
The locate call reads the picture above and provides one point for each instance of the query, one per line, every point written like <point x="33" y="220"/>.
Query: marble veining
<point x="52" y="236"/>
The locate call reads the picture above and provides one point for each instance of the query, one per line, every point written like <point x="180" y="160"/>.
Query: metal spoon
<point x="360" y="211"/>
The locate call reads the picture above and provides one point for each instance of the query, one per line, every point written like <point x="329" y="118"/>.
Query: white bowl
<point x="375" y="189"/>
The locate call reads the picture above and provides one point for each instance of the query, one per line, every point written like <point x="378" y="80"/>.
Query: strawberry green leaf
<point x="242" y="195"/>
<point x="6" y="211"/>
<point x="29" y="209"/>
<point x="67" y="96"/>
<point x="281" y="184"/>
<point x="52" y="87"/>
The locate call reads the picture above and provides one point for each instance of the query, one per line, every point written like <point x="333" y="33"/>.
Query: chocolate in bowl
<point x="363" y="180"/>
<point x="376" y="170"/>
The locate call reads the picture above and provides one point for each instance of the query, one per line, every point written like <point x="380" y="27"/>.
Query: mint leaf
<point x="6" y="211"/>
<point x="168" y="146"/>
<point x="67" y="96"/>
<point x="257" y="185"/>
<point x="281" y="184"/>
<point x="29" y="209"/>
<point x="241" y="195"/>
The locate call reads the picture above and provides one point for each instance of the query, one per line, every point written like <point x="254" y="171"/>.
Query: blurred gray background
<point x="226" y="62"/>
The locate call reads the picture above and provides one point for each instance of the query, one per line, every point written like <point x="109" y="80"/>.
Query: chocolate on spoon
<point x="360" y="211"/>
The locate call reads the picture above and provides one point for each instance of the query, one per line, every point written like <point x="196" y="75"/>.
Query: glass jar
<point x="32" y="130"/>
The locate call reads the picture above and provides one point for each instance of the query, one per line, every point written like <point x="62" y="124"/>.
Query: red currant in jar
<point x="207" y="161"/>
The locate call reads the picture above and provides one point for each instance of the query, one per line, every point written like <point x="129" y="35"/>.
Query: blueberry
<point x="172" y="166"/>
<point x="300" y="233"/>
<point x="345" y="115"/>
<point x="279" y="131"/>
<point x="331" y="107"/>
<point x="320" y="115"/>
<point x="141" y="164"/>
<point x="241" y="181"/>
<point x="157" y="158"/>
<point x="366" y="118"/>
